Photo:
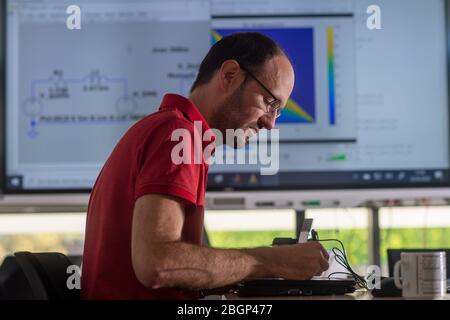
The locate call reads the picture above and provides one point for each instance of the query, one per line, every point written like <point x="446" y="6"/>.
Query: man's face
<point x="246" y="106"/>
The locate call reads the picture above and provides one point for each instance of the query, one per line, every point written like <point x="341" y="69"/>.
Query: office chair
<point x="13" y="283"/>
<point x="47" y="275"/>
<point x="76" y="259"/>
<point x="394" y="256"/>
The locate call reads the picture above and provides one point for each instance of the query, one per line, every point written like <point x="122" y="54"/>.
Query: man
<point x="145" y="215"/>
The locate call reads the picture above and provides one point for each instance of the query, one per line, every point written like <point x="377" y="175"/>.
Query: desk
<point x="357" y="295"/>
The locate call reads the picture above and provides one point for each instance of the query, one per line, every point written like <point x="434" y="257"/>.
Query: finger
<point x="324" y="252"/>
<point x="322" y="268"/>
<point x="324" y="264"/>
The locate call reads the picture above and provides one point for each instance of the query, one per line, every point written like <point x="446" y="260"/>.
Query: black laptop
<point x="282" y="287"/>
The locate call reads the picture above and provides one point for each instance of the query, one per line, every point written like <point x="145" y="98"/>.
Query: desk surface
<point x="357" y="295"/>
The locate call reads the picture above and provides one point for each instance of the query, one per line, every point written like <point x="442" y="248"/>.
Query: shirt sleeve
<point x="159" y="168"/>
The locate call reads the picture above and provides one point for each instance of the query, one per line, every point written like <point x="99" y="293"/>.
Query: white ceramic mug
<point x="423" y="274"/>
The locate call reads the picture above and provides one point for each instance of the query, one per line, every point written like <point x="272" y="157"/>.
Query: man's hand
<point x="298" y="261"/>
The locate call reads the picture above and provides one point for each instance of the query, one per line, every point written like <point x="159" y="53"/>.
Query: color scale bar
<point x="330" y="49"/>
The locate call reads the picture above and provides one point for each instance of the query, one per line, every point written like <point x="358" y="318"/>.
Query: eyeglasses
<point x="273" y="106"/>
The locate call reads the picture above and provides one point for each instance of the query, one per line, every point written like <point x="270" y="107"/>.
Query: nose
<point x="267" y="121"/>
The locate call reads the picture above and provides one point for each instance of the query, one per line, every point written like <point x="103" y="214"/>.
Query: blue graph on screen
<point x="298" y="43"/>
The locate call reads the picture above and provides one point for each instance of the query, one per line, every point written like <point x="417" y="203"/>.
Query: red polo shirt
<point x="141" y="164"/>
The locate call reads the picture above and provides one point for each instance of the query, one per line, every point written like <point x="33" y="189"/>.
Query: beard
<point x="232" y="114"/>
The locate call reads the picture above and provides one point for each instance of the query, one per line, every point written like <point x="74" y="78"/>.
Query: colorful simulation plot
<point x="331" y="80"/>
<point x="293" y="113"/>
<point x="215" y="36"/>
<point x="298" y="43"/>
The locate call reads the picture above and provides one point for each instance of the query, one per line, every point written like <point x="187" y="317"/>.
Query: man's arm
<point x="161" y="259"/>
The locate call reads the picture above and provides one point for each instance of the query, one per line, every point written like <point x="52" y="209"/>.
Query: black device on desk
<point x="387" y="289"/>
<point x="305" y="230"/>
<point x="284" y="287"/>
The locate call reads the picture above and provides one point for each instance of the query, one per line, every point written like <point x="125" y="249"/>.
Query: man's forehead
<point x="276" y="68"/>
<point x="277" y="74"/>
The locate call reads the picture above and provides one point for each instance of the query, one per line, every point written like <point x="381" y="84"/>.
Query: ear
<point x="230" y="75"/>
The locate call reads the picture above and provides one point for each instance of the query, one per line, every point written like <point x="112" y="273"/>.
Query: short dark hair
<point x="251" y="49"/>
